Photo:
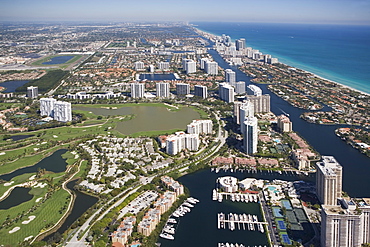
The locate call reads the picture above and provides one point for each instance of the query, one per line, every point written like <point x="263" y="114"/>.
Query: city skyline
<point x="286" y="11"/>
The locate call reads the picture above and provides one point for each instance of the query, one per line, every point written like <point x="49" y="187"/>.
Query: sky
<point x="284" y="11"/>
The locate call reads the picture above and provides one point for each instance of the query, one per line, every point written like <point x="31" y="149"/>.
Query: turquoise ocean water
<point x="336" y="52"/>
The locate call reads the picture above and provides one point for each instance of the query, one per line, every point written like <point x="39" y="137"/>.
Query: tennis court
<point x="286" y="204"/>
<point x="277" y="212"/>
<point x="280" y="224"/>
<point x="285" y="238"/>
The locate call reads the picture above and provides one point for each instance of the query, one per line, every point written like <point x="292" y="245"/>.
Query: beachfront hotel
<point x="261" y="103"/>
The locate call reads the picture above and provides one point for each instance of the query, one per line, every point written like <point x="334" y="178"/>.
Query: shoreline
<point x="200" y="32"/>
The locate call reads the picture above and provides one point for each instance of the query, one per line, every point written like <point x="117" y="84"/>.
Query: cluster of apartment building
<point x="123" y="232"/>
<point x="153" y="216"/>
<point x="236" y="51"/>
<point x="140" y="66"/>
<point x="108" y="154"/>
<point x="59" y="110"/>
<point x="344" y="221"/>
<point x="163" y="90"/>
<point x="180" y="140"/>
<point x="173" y="185"/>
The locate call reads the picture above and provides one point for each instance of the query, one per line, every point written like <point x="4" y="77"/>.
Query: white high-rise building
<point x="250" y="136"/>
<point x="62" y="111"/>
<point x="344" y="222"/>
<point x="345" y="225"/>
<point x="261" y="103"/>
<point x="254" y="90"/>
<point x="328" y="180"/>
<point x="230" y="76"/>
<point x="240" y="44"/>
<point x="246" y="111"/>
<point x="182" y="88"/>
<point x="211" y="68"/>
<point x="179" y="141"/>
<point x="200" y="127"/>
<point x="32" y="92"/>
<point x="163" y="89"/>
<point x="240" y="87"/>
<point x="47" y="106"/>
<point x="137" y="90"/>
<point x="226" y="92"/>
<point x="284" y="124"/>
<point x="201" y="91"/>
<point x="203" y="62"/>
<point x="189" y="66"/>
<point x="164" y="65"/>
<point x="139" y="65"/>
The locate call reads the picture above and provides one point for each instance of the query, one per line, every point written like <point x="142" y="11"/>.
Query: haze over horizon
<point x="285" y="11"/>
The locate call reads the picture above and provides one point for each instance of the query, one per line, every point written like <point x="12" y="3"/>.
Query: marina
<point x="240" y="221"/>
<point x="169" y="228"/>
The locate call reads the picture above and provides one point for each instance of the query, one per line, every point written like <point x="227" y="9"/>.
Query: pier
<point x="238" y="197"/>
<point x="239" y="221"/>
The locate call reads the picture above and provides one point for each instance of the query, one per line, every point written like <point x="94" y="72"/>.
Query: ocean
<point x="335" y="52"/>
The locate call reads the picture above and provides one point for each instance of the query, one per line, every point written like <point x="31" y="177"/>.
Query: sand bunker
<point x="2" y="153"/>
<point x="41" y="185"/>
<point x="30" y="218"/>
<point x="14" y="229"/>
<point x="9" y="183"/>
<point x="32" y="177"/>
<point x="38" y="199"/>
<point x="28" y="238"/>
<point x="55" y="136"/>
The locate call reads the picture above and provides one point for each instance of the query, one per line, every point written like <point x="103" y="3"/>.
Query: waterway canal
<point x="54" y="163"/>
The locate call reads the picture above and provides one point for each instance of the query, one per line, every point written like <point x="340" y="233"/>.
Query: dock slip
<point x="239" y="221"/>
<point x="235" y="197"/>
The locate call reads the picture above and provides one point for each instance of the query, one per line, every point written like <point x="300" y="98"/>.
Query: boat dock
<point x="238" y="197"/>
<point x="240" y="222"/>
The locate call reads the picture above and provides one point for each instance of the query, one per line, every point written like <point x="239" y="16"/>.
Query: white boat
<point x="169" y="229"/>
<point x="172" y="220"/>
<point x="214" y="195"/>
<point x="167" y="236"/>
<point x="188" y="205"/>
<point x="232" y="197"/>
<point x="186" y="209"/>
<point x="175" y="214"/>
<point x="220" y="197"/>
<point x="246" y="198"/>
<point x="236" y="217"/>
<point x="237" y="198"/>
